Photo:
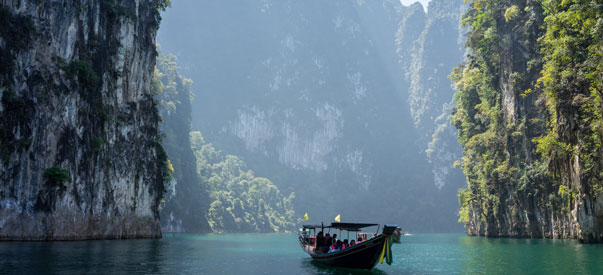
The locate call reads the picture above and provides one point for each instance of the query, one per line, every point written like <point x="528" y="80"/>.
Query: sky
<point x="408" y="2"/>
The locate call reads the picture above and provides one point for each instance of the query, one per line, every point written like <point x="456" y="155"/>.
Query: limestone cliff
<point x="531" y="135"/>
<point x="429" y="45"/>
<point x="80" y="149"/>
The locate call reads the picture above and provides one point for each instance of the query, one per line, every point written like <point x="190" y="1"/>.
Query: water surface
<point x="281" y="254"/>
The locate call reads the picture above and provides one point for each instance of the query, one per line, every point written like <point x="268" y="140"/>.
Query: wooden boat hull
<point x="364" y="255"/>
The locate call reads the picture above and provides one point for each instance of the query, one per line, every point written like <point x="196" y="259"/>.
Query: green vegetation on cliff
<point x="56" y="175"/>
<point x="183" y="208"/>
<point x="529" y="105"/>
<point x="573" y="82"/>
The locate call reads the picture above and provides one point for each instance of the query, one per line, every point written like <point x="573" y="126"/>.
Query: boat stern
<point x="389" y="229"/>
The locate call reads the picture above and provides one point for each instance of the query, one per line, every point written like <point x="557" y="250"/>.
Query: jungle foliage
<point x="573" y="82"/>
<point x="242" y="202"/>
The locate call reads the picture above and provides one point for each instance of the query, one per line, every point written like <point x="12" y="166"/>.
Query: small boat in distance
<point x="397" y="235"/>
<point x="364" y="254"/>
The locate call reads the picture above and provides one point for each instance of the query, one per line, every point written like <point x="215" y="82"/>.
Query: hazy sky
<point x="408" y="2"/>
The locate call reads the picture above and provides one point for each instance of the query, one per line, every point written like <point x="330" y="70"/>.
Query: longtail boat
<point x="397" y="235"/>
<point x="364" y="255"/>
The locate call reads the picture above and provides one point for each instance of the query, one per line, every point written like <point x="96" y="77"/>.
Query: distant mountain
<point x="345" y="103"/>
<point x="207" y="190"/>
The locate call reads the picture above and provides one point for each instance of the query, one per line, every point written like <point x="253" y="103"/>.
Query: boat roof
<point x="351" y="226"/>
<point x="342" y="225"/>
<point x="313" y="226"/>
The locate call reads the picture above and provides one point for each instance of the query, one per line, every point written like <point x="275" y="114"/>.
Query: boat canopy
<point x="351" y="226"/>
<point x="313" y="226"/>
<point x="342" y="226"/>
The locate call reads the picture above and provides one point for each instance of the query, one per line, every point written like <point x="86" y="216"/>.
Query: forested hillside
<point x="529" y="118"/>
<point x="240" y="201"/>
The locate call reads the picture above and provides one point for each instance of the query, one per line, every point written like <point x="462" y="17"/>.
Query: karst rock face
<point x="530" y="135"/>
<point x="80" y="150"/>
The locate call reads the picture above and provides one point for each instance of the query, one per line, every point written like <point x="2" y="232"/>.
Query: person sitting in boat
<point x="359" y="239"/>
<point x="352" y="243"/>
<point x="320" y="243"/>
<point x="333" y="246"/>
<point x="345" y="244"/>
<point x="328" y="241"/>
<point x="335" y="237"/>
<point x="338" y="245"/>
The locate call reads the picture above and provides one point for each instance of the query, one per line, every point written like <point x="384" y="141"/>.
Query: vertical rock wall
<point x="80" y="150"/>
<point x="524" y="145"/>
<point x="429" y="45"/>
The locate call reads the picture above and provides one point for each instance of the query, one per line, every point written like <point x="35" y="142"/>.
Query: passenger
<point x="320" y="242"/>
<point x="328" y="242"/>
<point x="352" y="243"/>
<point x="339" y="244"/>
<point x="335" y="237"/>
<point x="345" y="244"/>
<point x="359" y="239"/>
<point x="333" y="246"/>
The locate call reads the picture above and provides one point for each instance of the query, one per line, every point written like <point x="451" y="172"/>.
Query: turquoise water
<point x="281" y="254"/>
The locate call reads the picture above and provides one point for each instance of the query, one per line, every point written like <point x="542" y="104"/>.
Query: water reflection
<point x="309" y="266"/>
<point x="73" y="257"/>
<point x="280" y="254"/>
<point x="529" y="256"/>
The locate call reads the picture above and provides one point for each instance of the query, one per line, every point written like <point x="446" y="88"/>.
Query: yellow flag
<point x="306" y="217"/>
<point x="338" y="218"/>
